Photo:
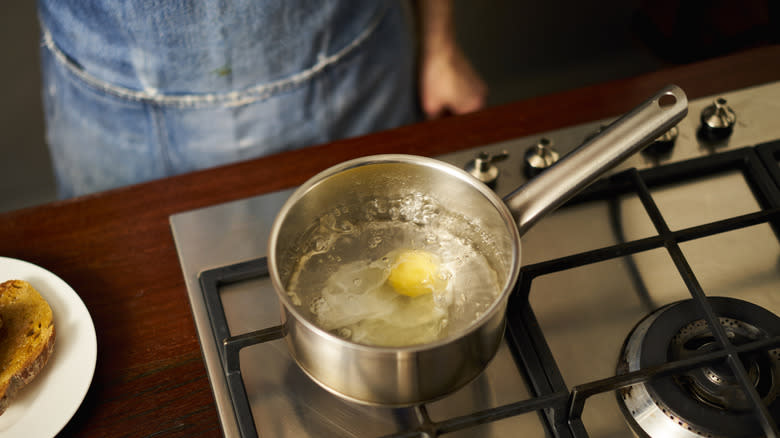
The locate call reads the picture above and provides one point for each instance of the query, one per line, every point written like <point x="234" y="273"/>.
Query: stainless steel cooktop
<point x="585" y="313"/>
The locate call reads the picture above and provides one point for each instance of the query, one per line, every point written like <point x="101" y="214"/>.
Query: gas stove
<point x="612" y="328"/>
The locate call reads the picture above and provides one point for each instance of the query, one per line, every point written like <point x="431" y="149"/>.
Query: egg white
<point x="358" y="304"/>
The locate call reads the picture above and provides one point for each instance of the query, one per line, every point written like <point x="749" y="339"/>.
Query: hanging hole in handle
<point x="667" y="101"/>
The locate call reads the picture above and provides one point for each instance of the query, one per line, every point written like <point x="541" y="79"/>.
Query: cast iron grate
<point x="560" y="407"/>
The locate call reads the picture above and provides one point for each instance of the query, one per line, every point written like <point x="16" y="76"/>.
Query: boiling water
<point x="340" y="280"/>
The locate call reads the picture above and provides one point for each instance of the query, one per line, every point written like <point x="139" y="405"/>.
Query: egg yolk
<point x="415" y="273"/>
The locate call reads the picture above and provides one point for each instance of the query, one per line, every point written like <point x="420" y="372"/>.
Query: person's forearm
<point x="448" y="82"/>
<point x="437" y="31"/>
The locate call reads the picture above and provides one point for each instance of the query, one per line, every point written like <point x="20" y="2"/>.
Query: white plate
<point x="44" y="407"/>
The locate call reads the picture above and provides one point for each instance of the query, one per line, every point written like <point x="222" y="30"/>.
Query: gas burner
<point x="716" y="385"/>
<point x="707" y="401"/>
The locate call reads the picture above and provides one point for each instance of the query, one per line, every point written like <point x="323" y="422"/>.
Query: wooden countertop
<point x="116" y="249"/>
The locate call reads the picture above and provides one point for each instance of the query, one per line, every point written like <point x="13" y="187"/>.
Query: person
<point x="136" y="90"/>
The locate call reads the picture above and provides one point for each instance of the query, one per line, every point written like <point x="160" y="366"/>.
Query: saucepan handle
<point x="582" y="166"/>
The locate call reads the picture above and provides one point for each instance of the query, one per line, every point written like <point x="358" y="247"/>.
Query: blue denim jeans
<point x="134" y="92"/>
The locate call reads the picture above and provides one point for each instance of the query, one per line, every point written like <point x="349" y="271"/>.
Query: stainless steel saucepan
<point x="422" y="193"/>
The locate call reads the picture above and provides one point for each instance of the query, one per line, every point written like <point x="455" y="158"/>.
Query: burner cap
<point x="715" y="384"/>
<point x="707" y="401"/>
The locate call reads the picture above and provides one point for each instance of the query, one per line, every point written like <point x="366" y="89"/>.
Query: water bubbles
<point x="318" y="305"/>
<point x="374" y="241"/>
<point x="426" y="213"/>
<point x="379" y="205"/>
<point x="326" y="221"/>
<point x="395" y="213"/>
<point x="344" y="332"/>
<point x="424" y="219"/>
<point x="320" y="245"/>
<point x="346" y="256"/>
<point x="345" y="226"/>
<point x="417" y="207"/>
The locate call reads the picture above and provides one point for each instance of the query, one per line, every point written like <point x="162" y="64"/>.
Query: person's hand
<point x="449" y="84"/>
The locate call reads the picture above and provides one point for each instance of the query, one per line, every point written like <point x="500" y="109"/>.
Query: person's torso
<point x="171" y="47"/>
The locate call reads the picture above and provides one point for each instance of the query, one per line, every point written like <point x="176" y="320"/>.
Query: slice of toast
<point x="26" y="337"/>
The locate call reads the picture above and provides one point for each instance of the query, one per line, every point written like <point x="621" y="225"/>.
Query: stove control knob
<point x="539" y="157"/>
<point x="662" y="145"/>
<point x="717" y="121"/>
<point x="483" y="168"/>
